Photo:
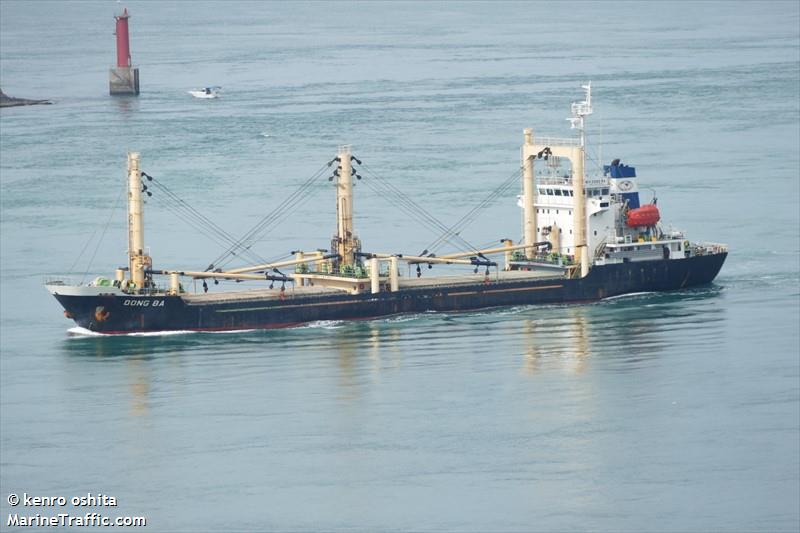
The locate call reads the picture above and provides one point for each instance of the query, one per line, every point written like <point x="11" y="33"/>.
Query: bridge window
<point x="558" y="192"/>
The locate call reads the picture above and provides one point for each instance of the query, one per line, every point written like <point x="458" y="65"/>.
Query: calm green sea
<point x="655" y="412"/>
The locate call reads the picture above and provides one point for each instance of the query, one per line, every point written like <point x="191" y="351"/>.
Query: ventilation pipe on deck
<point x="374" y="275"/>
<point x="509" y="254"/>
<point x="555" y="238"/>
<point x="174" y="284"/>
<point x="319" y="262"/>
<point x="299" y="268"/>
<point x="394" y="283"/>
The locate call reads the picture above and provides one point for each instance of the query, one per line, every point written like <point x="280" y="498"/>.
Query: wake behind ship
<point x="585" y="238"/>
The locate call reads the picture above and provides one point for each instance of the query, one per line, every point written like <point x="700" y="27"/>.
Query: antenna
<point x="580" y="110"/>
<point x="600" y="150"/>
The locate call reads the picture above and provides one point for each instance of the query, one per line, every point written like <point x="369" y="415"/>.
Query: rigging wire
<point x="469" y="217"/>
<point x="166" y="204"/>
<point x="85" y="246"/>
<point x="233" y="246"/>
<point x="193" y="217"/>
<point x="489" y="244"/>
<point x="415" y="210"/>
<point x="102" y="235"/>
<point x="408" y="209"/>
<point x="270" y="220"/>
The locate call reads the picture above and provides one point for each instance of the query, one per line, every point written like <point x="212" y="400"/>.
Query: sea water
<point x="671" y="412"/>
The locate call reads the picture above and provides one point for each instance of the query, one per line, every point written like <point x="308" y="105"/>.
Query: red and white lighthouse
<point x="124" y="78"/>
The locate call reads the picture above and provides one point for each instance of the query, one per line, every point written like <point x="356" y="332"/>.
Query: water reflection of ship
<point x="139" y="387"/>
<point x="384" y="351"/>
<point x="563" y="342"/>
<point x="628" y="330"/>
<point x="132" y="352"/>
<point x="376" y="342"/>
<point x="346" y="350"/>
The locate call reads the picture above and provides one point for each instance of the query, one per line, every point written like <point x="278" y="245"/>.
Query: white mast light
<point x="581" y="109"/>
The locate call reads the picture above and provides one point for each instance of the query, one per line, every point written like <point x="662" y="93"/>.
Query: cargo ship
<point x="584" y="238"/>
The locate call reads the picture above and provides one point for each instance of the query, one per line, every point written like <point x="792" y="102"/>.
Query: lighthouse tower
<point x="124" y="78"/>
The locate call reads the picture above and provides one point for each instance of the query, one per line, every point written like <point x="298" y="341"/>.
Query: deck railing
<point x="557" y="141"/>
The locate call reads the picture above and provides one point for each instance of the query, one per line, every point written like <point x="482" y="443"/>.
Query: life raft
<point x="647" y="215"/>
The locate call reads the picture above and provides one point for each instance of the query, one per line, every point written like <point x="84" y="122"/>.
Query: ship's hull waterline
<point x="120" y="314"/>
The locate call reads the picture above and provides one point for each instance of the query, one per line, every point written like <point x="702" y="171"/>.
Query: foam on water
<point x="323" y="324"/>
<point x="78" y="331"/>
<point x="629" y="295"/>
<point x="399" y="319"/>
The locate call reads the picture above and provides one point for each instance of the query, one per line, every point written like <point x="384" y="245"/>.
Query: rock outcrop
<point x="10" y="101"/>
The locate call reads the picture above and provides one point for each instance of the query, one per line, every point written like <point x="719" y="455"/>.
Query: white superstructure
<point x="581" y="220"/>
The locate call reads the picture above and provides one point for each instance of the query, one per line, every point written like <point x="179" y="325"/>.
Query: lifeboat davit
<point x="647" y="215"/>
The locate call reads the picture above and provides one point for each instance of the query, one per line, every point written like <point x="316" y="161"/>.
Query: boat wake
<point x="403" y="318"/>
<point x="323" y="324"/>
<point x="78" y="331"/>
<point x="629" y="295"/>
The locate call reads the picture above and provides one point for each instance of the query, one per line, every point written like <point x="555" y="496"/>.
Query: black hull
<point x="171" y="313"/>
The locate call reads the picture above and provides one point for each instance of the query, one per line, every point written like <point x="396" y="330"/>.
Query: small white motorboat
<point x="206" y="92"/>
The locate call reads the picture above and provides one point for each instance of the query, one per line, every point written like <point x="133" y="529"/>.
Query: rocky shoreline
<point x="10" y="101"/>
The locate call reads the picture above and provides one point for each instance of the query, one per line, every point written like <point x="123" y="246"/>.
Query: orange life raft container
<point x="647" y="215"/>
